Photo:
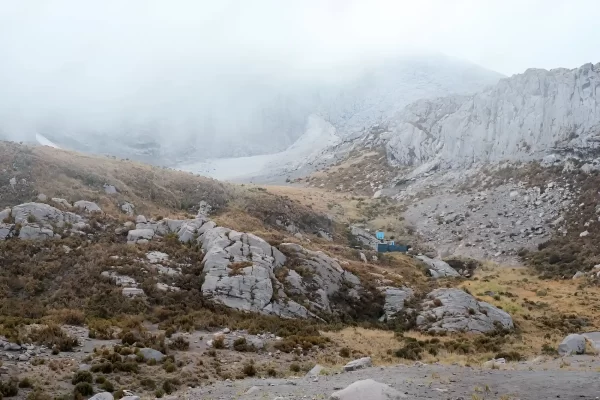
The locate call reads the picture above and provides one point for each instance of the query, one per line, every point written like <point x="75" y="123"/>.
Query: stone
<point x="594" y="339"/>
<point x="494" y="363"/>
<point x="102" y="396"/>
<point x="42" y="197"/>
<point x="110" y="189"/>
<point x="572" y="344"/>
<point x="41" y="213"/>
<point x="358" y="364"/>
<point x="578" y="275"/>
<point x="87" y="206"/>
<point x="137" y="235"/>
<point x="454" y="310"/>
<point x="151" y="354"/>
<point x="325" y="235"/>
<point x="140" y="219"/>
<point x="438" y="268"/>
<point x="252" y="390"/>
<point x="35" y="232"/>
<point x="394" y="301"/>
<point x="363" y="258"/>
<point x="368" y="389"/>
<point x="584" y="234"/>
<point x="131" y="397"/>
<point x="128" y="208"/>
<point x="6" y="231"/>
<point x="132" y="292"/>
<point x="315" y="371"/>
<point x="13" y="182"/>
<point x="155" y="257"/>
<point x="204" y="209"/>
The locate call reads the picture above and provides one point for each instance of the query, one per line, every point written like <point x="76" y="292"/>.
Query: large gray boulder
<point x="42" y="214"/>
<point x="35" y="232"/>
<point x="438" y="268"/>
<point x="572" y="344"/>
<point x="395" y="299"/>
<point x="151" y="354"/>
<point x="360" y="363"/>
<point x="368" y="389"/>
<point x="5" y="215"/>
<point x="87" y="206"/>
<point x="363" y="236"/>
<point x="136" y="235"/>
<point x="454" y="310"/>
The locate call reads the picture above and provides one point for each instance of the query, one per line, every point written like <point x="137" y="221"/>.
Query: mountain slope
<point x="244" y="117"/>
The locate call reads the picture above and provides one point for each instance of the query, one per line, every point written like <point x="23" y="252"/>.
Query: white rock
<point x="87" y="206"/>
<point x="102" y="396"/>
<point x="584" y="234"/>
<point x="110" y="189"/>
<point x="572" y="344"/>
<point x="358" y="364"/>
<point x="42" y="197"/>
<point x="368" y="389"/>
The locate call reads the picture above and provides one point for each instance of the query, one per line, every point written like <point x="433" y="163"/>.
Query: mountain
<point x="244" y="116"/>
<point x="525" y="117"/>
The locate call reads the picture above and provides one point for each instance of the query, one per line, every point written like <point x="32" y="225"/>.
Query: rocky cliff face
<point x="522" y="118"/>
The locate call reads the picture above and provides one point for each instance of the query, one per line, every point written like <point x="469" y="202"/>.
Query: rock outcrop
<point x="438" y="268"/>
<point x="454" y="310"/>
<point x="395" y="301"/>
<point x="524" y="117"/>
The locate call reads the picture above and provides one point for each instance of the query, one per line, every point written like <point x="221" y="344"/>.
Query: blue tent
<point x="379" y="235"/>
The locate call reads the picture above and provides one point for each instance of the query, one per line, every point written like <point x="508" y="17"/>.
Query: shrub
<point x="241" y="344"/>
<point x="170" y="385"/>
<point x="548" y="349"/>
<point x="105" y="368"/>
<point x="38" y="394"/>
<point x="25" y="383"/>
<point x="249" y="369"/>
<point x="294" y="367"/>
<point x="169" y="367"/>
<point x="82" y="376"/>
<point x="271" y="372"/>
<point x="179" y="343"/>
<point x="54" y="337"/>
<point x="345" y="352"/>
<point x="219" y="342"/>
<point x="84" y="389"/>
<point x="9" y="389"/>
<point x="100" y="379"/>
<point x="148" y="384"/>
<point x="107" y="386"/>
<point x="159" y="393"/>
<point x="510" y="356"/>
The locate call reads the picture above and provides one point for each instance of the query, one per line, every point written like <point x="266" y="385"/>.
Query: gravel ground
<point x="581" y="380"/>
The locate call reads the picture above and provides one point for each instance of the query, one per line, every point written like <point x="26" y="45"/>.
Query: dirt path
<point x="427" y="382"/>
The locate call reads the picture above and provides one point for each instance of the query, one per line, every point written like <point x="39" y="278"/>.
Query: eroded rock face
<point x="454" y="310"/>
<point x="43" y="214"/>
<point x="321" y="277"/>
<point x="520" y="119"/>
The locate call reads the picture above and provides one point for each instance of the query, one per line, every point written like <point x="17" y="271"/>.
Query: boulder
<point x="358" y="364"/>
<point x="140" y="219"/>
<point x="42" y="214"/>
<point x="6" y="231"/>
<point x="315" y="371"/>
<point x="35" y="232"/>
<point x="363" y="258"/>
<point x="128" y="208"/>
<point x="42" y="197"/>
<point x="87" y="206"/>
<point x="363" y="236"/>
<point x="454" y="310"/>
<point x="578" y="275"/>
<point x="151" y="354"/>
<point x="132" y="292"/>
<point x="136" y="235"/>
<point x="155" y="257"/>
<point x="110" y="189"/>
<point x="204" y="209"/>
<point x="368" y="389"/>
<point x="102" y="396"/>
<point x="394" y="301"/>
<point x="594" y="339"/>
<point x="572" y="344"/>
<point x="438" y="268"/>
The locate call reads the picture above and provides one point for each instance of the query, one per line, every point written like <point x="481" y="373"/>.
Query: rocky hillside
<point x="525" y="117"/>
